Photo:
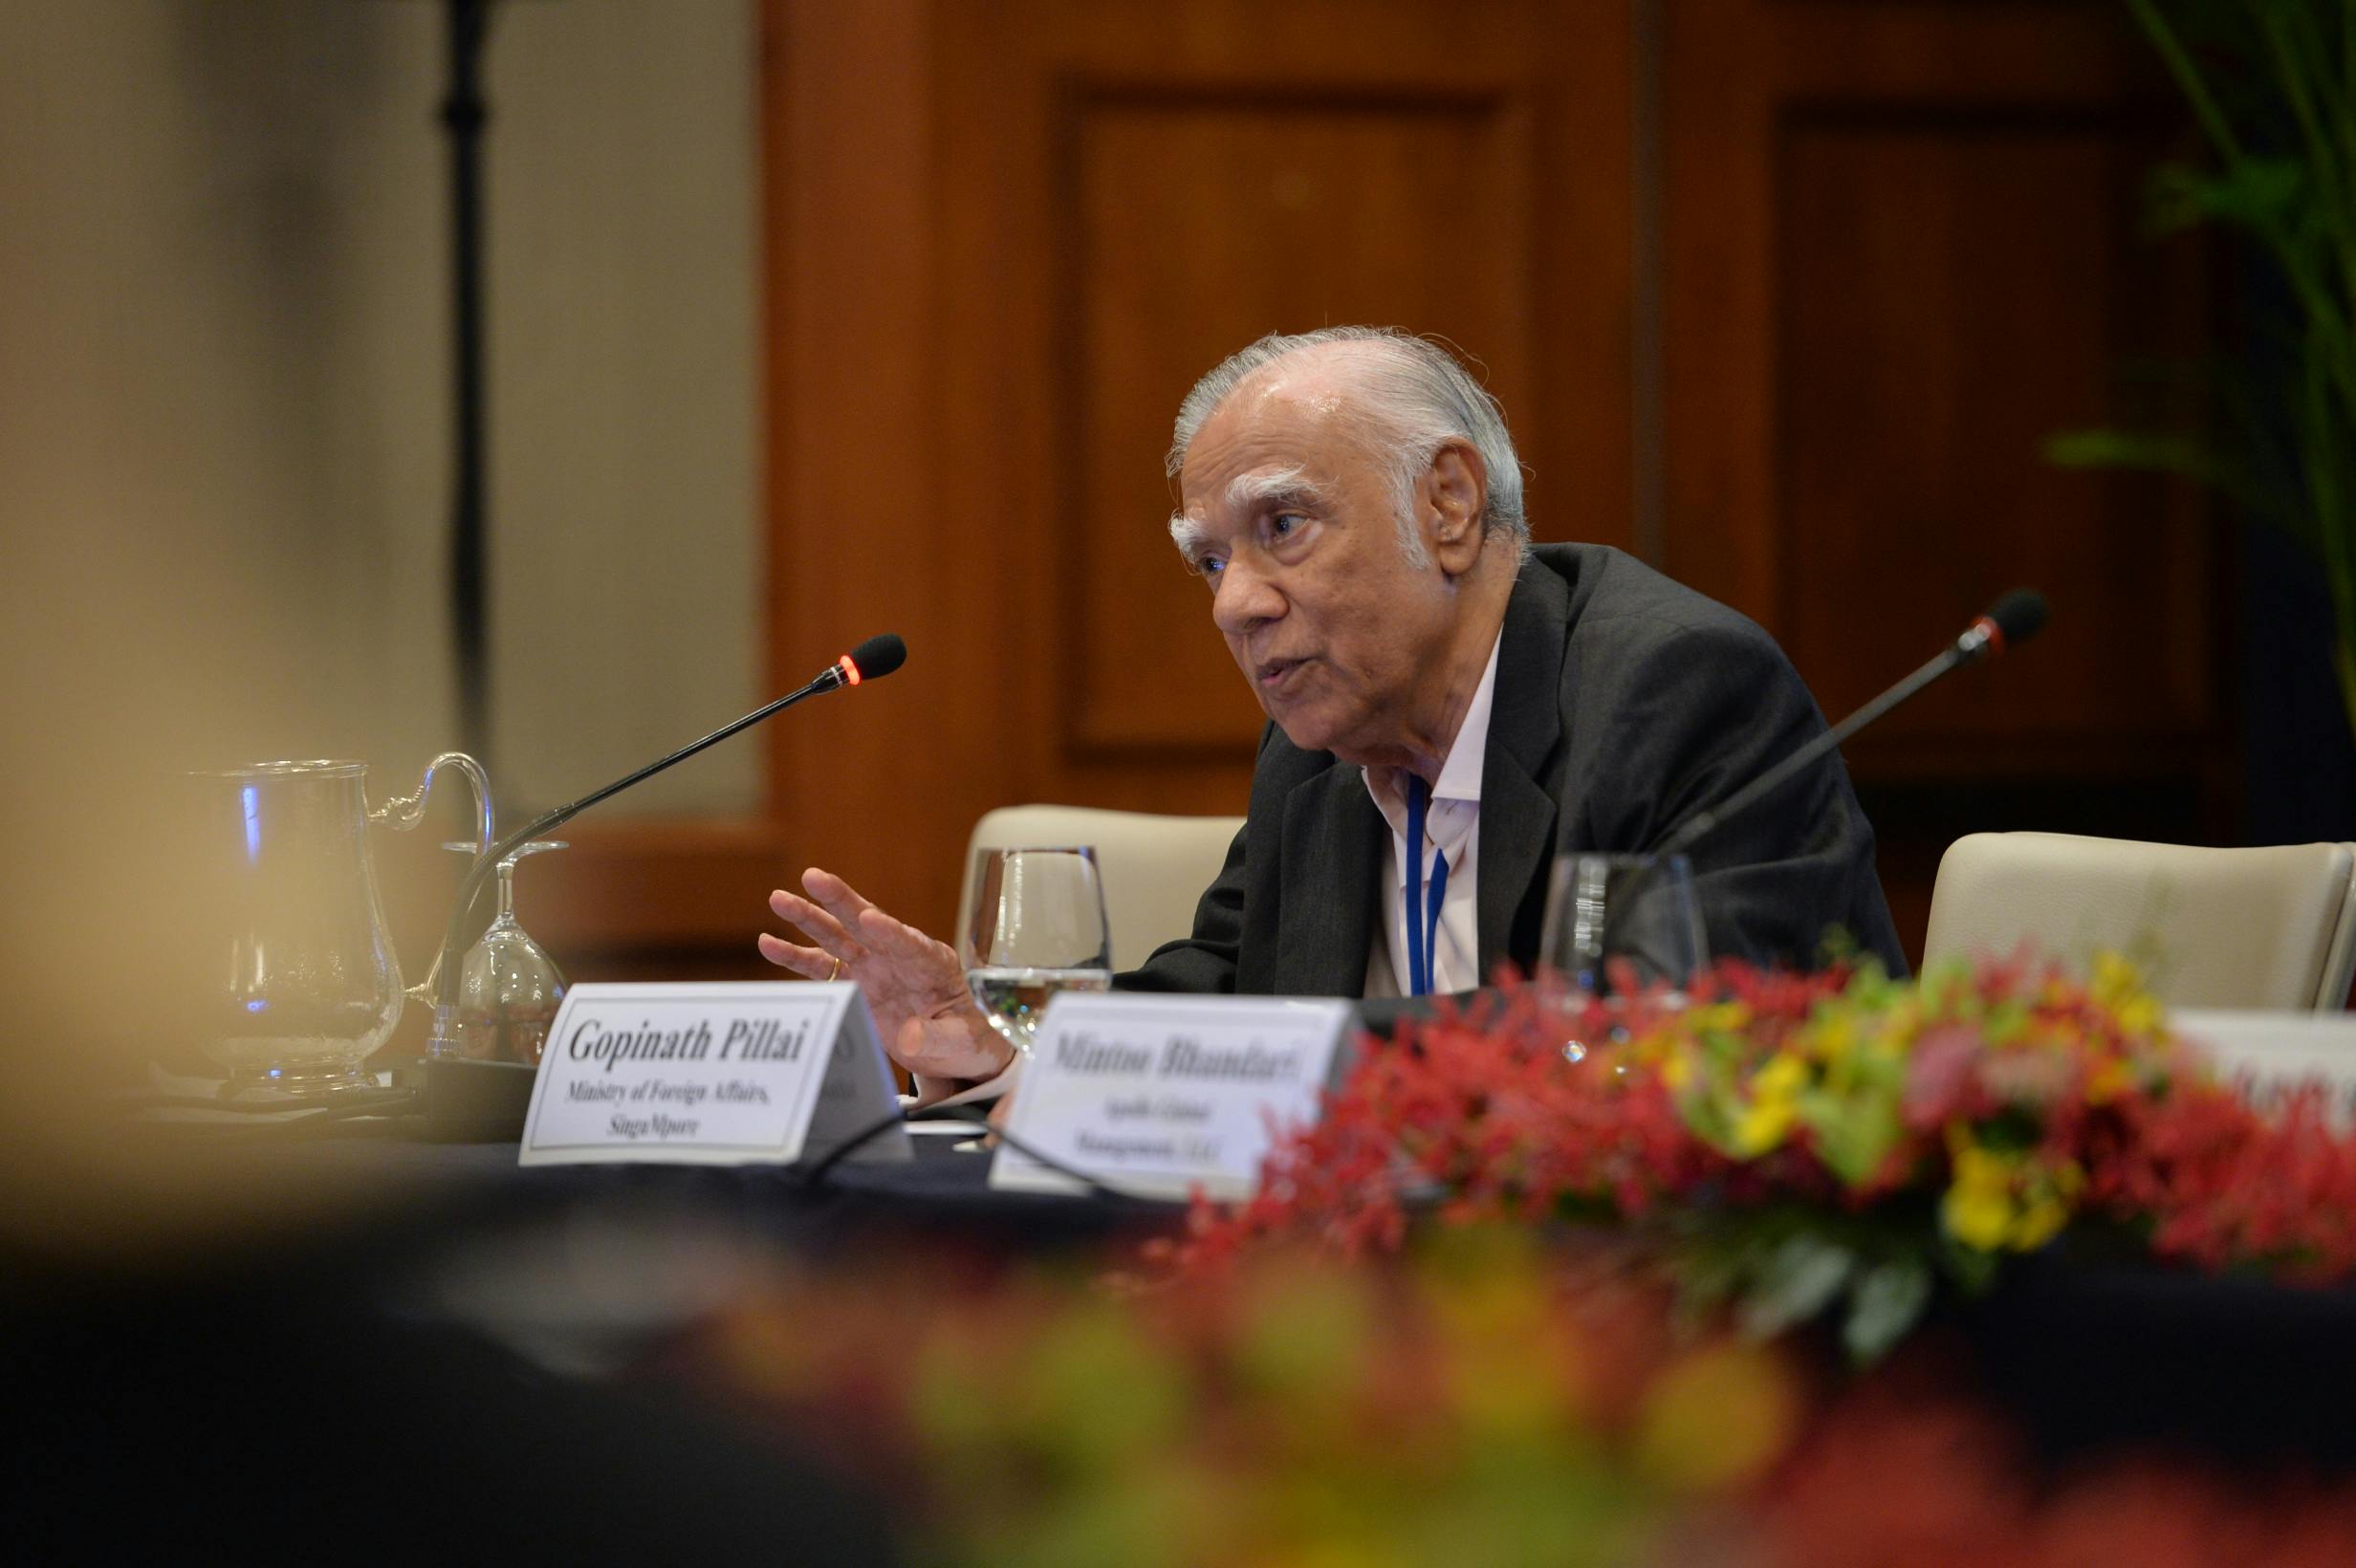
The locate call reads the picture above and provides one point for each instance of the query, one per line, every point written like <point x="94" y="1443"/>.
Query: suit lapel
<point x="1525" y="727"/>
<point x="1333" y="840"/>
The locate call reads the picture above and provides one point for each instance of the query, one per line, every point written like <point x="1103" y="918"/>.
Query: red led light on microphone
<point x="1987" y="625"/>
<point x="850" y="670"/>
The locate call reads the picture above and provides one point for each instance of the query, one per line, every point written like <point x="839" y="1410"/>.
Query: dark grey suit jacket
<point x="1624" y="703"/>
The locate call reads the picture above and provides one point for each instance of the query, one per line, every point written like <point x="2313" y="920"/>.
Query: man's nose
<point x="1245" y="597"/>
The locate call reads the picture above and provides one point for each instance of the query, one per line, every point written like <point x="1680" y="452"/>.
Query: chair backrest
<point x="2271" y="927"/>
<point x="1154" y="868"/>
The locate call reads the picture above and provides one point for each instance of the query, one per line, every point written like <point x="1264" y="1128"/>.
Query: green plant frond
<point x="1885" y="1301"/>
<point x="2308" y="101"/>
<point x="2267" y="196"/>
<point x="2272" y="85"/>
<point x="2195" y="86"/>
<point x="2186" y="456"/>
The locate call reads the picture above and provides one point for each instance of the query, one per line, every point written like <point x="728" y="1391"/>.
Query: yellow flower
<point x="1767" y="1119"/>
<point x="1978" y="1207"/>
<point x="2037" y="1224"/>
<point x="2118" y="985"/>
<point x="1761" y="1126"/>
<point x="2115" y="978"/>
<point x="1782" y="1078"/>
<point x="2005" y="1200"/>
<point x="1977" y="1216"/>
<point x="2110" y="1080"/>
<point x="1833" y="1039"/>
<point x="1720" y="1018"/>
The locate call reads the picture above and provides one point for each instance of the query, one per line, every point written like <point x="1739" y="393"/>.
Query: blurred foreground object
<point x="1487" y="1398"/>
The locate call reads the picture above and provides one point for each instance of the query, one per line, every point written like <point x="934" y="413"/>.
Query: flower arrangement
<point x="1323" y="1374"/>
<point x="1813" y="1144"/>
<point x="1481" y="1396"/>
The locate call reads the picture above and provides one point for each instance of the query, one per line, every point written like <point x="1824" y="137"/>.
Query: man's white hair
<point x="1415" y="395"/>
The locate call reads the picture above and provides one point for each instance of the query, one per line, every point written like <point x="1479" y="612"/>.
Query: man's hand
<point x="914" y="985"/>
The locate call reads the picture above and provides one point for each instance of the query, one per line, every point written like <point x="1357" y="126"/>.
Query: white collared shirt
<point x="1452" y="827"/>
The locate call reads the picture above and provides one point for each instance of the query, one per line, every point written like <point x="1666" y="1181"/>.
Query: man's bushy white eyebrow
<point x="1247" y="490"/>
<point x="1190" y="536"/>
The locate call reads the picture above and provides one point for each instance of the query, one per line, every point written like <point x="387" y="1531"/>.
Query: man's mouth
<point x="1274" y="675"/>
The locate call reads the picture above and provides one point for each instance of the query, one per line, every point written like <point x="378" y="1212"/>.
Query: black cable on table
<point x="818" y="1173"/>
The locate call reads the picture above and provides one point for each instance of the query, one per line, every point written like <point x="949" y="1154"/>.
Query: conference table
<point x="440" y="1345"/>
<point x="2089" y="1345"/>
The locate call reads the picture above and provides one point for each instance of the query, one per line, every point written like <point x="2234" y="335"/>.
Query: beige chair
<point x="2272" y="928"/>
<point x="1154" y="868"/>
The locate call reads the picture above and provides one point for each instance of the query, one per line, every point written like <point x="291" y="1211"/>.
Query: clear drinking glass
<point x="1037" y="927"/>
<point x="1622" y="921"/>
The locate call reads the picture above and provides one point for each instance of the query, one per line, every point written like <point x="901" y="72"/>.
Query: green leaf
<point x="2266" y="196"/>
<point x="1885" y="1302"/>
<point x="1801" y="1279"/>
<point x="1970" y="1268"/>
<point x="1855" y="1132"/>
<point x="1711" y="1270"/>
<point x="2181" y="455"/>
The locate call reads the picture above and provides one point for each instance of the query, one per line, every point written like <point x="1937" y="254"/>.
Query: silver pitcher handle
<point x="403" y="812"/>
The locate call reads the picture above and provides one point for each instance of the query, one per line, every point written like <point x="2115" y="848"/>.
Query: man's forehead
<point x="1277" y="427"/>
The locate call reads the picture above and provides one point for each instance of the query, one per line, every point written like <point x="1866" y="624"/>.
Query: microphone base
<point x="471" y="1101"/>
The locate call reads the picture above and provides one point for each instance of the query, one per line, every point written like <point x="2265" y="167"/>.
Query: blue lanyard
<point x="1423" y="935"/>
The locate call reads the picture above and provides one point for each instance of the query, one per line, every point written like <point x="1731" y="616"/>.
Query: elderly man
<point x="1450" y="707"/>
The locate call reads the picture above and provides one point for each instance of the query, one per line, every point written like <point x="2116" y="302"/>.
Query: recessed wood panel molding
<point x="1903" y="247"/>
<point x="1953" y="288"/>
<point x="1337" y="187"/>
<point x="1006" y="239"/>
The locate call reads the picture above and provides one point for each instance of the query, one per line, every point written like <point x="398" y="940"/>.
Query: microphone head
<point x="2018" y="615"/>
<point x="879" y="656"/>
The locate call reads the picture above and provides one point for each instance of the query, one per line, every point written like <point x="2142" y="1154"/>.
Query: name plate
<point x="2267" y="1056"/>
<point x="1159" y="1096"/>
<point x="757" y="1073"/>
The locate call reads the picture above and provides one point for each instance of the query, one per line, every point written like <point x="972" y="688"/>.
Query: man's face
<point x="1290" y="519"/>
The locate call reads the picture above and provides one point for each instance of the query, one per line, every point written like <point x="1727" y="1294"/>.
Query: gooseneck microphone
<point x="2015" y="618"/>
<point x="871" y="660"/>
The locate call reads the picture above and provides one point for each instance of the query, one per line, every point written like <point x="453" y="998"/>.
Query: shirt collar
<point x="1460" y="772"/>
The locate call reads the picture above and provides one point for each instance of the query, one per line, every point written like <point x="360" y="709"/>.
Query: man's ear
<point x="1455" y="493"/>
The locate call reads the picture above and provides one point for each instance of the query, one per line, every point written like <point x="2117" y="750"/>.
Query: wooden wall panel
<point x="1945" y="295"/>
<point x="1005" y="241"/>
<point x="1902" y="247"/>
<point x="1896" y="245"/>
<point x="1160" y="289"/>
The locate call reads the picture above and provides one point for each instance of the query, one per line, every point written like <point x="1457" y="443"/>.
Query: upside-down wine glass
<point x="508" y="989"/>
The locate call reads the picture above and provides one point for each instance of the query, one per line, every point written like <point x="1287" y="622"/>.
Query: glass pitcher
<point x="305" y="982"/>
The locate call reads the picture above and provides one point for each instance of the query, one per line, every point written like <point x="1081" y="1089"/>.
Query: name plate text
<point x="1159" y="1096"/>
<point x="760" y="1073"/>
